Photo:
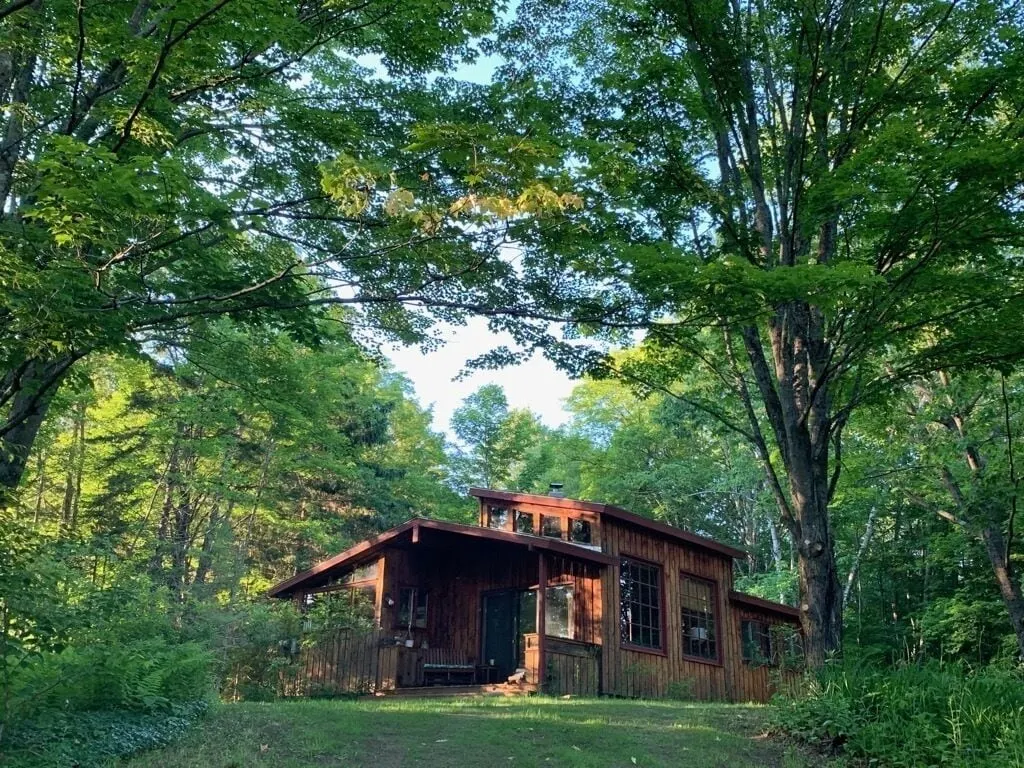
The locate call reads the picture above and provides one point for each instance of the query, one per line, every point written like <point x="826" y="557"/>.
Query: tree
<point x="495" y="439"/>
<point x="965" y="432"/>
<point x="243" y="461"/>
<point x="780" y="194"/>
<point x="162" y="163"/>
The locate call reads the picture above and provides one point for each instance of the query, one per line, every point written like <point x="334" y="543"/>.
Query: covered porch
<point x="461" y="606"/>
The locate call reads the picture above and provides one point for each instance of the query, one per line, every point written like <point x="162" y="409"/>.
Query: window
<point x="366" y="572"/>
<point x="551" y="526"/>
<point x="497" y="517"/>
<point x="524" y="522"/>
<point x="358" y="601"/>
<point x="412" y="608"/>
<point x="700" y="626"/>
<point x="579" y="531"/>
<point x="787" y="646"/>
<point x="757" y="641"/>
<point x="640" y="604"/>
<point x="559" y="611"/>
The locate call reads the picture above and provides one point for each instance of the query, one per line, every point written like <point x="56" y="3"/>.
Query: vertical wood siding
<point x="456" y="579"/>
<point x="758" y="682"/>
<point x="348" y="661"/>
<point x="636" y="673"/>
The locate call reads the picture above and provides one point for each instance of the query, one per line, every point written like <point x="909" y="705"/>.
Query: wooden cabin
<point x="629" y="606"/>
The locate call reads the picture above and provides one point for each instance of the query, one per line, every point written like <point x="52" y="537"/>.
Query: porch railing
<point x="361" y="661"/>
<point x="346" y="661"/>
<point x="573" y="667"/>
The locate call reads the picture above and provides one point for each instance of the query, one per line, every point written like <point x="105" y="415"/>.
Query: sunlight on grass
<point x="460" y="733"/>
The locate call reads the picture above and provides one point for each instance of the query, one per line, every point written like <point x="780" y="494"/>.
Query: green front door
<point x="507" y="616"/>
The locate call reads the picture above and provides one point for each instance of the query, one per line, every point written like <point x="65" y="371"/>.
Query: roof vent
<point x="556" y="491"/>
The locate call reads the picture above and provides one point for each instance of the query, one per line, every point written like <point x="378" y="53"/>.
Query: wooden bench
<point x="439" y="673"/>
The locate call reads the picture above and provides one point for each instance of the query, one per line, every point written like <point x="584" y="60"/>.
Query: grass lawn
<point x="535" y="731"/>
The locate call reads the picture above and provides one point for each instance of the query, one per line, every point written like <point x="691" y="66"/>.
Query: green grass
<point x="462" y="733"/>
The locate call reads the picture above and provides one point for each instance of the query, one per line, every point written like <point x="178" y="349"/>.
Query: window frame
<point x="561" y="527"/>
<point x="517" y="515"/>
<point x="416" y="592"/>
<point x="571" y="521"/>
<point x="506" y="511"/>
<point x="662" y="648"/>
<point x="349" y="591"/>
<point x="716" y="602"/>
<point x="571" y="623"/>
<point x="766" y="632"/>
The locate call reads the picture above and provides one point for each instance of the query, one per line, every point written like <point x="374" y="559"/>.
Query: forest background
<point x="778" y="242"/>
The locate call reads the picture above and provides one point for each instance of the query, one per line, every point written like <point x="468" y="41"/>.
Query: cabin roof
<point x="616" y="513"/>
<point x="759" y="604"/>
<point x="365" y="549"/>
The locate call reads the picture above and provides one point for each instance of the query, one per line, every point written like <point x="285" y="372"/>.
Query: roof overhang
<point x="411" y="530"/>
<point x="766" y="606"/>
<point x="616" y="513"/>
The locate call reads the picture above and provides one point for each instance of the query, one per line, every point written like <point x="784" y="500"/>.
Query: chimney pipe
<point x="556" y="491"/>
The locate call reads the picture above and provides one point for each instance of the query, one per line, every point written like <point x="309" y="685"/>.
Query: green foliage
<point x="122" y="651"/>
<point x="73" y="739"/>
<point x="260" y="643"/>
<point x="911" y="716"/>
<point x="495" y="441"/>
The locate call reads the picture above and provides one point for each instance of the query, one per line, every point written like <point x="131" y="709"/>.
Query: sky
<point x="537" y="385"/>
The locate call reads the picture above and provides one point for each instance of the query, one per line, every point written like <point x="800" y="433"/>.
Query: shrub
<point x="262" y="643"/>
<point x="912" y="716"/>
<point x="127" y="655"/>
<point x="86" y="739"/>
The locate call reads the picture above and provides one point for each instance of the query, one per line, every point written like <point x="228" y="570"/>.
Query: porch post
<point x="542" y="591"/>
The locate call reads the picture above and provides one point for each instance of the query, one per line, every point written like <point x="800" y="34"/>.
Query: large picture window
<point x="700" y="619"/>
<point x="640" y="604"/>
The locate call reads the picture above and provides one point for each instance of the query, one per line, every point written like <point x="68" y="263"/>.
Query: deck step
<point x="431" y="691"/>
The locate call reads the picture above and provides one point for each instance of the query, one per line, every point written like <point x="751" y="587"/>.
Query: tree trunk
<point x="163" y="529"/>
<point x="821" y="604"/>
<point x="30" y="388"/>
<point x="797" y="406"/>
<point x="865" y="541"/>
<point x="177" y="577"/>
<point x="73" y="482"/>
<point x="184" y="514"/>
<point x="773" y="532"/>
<point x="210" y="539"/>
<point x="1009" y="589"/>
<point x="41" y="487"/>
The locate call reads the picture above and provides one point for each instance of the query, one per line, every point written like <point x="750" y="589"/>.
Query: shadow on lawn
<point x="477" y="732"/>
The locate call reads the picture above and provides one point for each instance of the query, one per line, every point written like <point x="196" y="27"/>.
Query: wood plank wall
<point x="574" y="668"/>
<point x="758" y="682"/>
<point x="585" y="579"/>
<point x="635" y="673"/>
<point x="347" y="661"/>
<point x="456" y="579"/>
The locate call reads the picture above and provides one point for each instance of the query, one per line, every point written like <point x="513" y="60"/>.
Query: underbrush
<point x="86" y="739"/>
<point x="911" y="716"/>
